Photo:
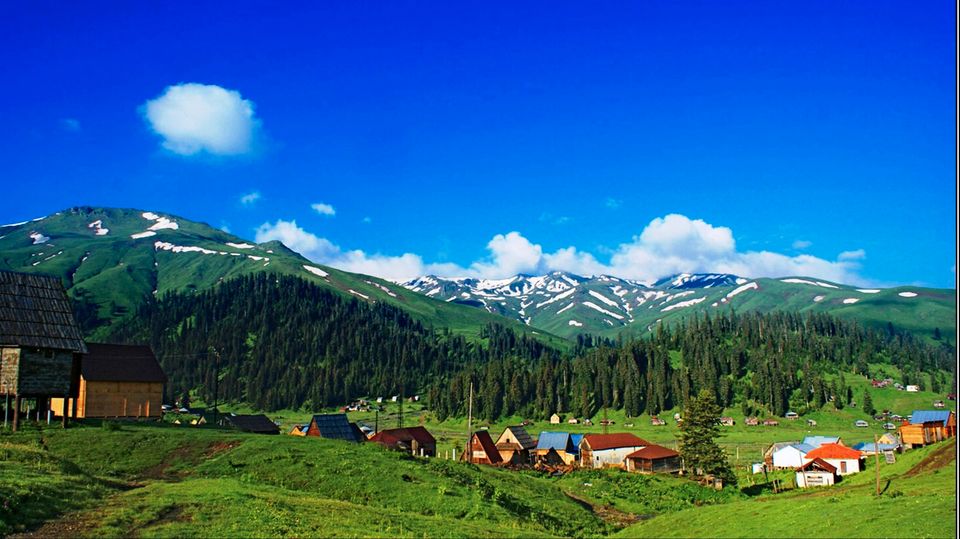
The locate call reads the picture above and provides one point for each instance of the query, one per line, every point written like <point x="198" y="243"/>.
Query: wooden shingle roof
<point x="35" y="312"/>
<point x="121" y="363"/>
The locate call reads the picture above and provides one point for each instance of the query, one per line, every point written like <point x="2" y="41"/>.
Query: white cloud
<point x="250" y="198"/>
<point x="802" y="244"/>
<point x="70" y="124"/>
<point x="859" y="254"/>
<point x="323" y="209"/>
<point x="194" y="118"/>
<point x="666" y="246"/>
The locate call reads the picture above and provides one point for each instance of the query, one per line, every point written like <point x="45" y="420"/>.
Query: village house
<point x="555" y="419"/>
<point x="334" y="427"/>
<point x="870" y="449"/>
<point x="657" y="422"/>
<point x="255" y="423"/>
<point x="843" y="458"/>
<point x="516" y="445"/>
<point x="751" y="422"/>
<point x="41" y="346"/>
<point x="414" y="440"/>
<point x="816" y="473"/>
<point x="727" y="421"/>
<point x="608" y="450"/>
<point x="791" y="455"/>
<point x="556" y="448"/>
<point x="770" y="422"/>
<point x="791" y="416"/>
<point x="889" y="438"/>
<point x="117" y="380"/>
<point x="481" y="449"/>
<point x="946" y="419"/>
<point x="913" y="388"/>
<point x="654" y="459"/>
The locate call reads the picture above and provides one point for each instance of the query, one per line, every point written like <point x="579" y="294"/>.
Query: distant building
<point x="334" y="427"/>
<point x="727" y="421"/>
<point x="414" y="440"/>
<point x="816" y="473"/>
<point x="791" y="456"/>
<point x="843" y="458"/>
<point x="791" y="416"/>
<point x="515" y="445"/>
<point x="559" y="443"/>
<point x="255" y="423"/>
<point x="555" y="419"/>
<point x="913" y="389"/>
<point x="481" y="449"/>
<point x="608" y="450"/>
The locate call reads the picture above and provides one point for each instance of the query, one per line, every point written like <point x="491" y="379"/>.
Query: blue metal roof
<point x="575" y="440"/>
<point x="922" y="416"/>
<point x="804" y="448"/>
<point x="817" y="441"/>
<point x="868" y="447"/>
<point x="554" y="440"/>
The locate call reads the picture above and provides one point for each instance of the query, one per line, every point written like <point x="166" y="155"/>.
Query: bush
<point x="110" y="425"/>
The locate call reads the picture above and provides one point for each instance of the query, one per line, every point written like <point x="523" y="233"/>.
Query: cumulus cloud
<point x="666" y="246"/>
<point x="250" y="198"/>
<point x="802" y="244"/>
<point x="323" y="209"/>
<point x="193" y="118"/>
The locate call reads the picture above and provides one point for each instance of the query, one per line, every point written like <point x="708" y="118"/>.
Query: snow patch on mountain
<point x="849" y="301"/>
<point x="598" y="308"/>
<point x="749" y="286"/>
<point x="604" y="299"/>
<point x="316" y="271"/>
<point x="39" y="238"/>
<point x="907" y="294"/>
<point x="568" y="307"/>
<point x="98" y="228"/>
<point x="688" y="303"/>
<point x="146" y="234"/>
<point x="868" y="291"/>
<point x="240" y="245"/>
<point x="575" y="323"/>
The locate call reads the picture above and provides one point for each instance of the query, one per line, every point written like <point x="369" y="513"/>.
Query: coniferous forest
<point x="282" y="342"/>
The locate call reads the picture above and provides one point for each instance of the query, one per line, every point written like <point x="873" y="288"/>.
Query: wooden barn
<point x="608" y="450"/>
<point x="653" y="459"/>
<point x="920" y="434"/>
<point x="482" y="450"/>
<point x="555" y="448"/>
<point x="255" y="423"/>
<point x="946" y="421"/>
<point x="40" y="343"/>
<point x="334" y="427"/>
<point x="117" y="381"/>
<point x="516" y="446"/>
<point x="414" y="440"/>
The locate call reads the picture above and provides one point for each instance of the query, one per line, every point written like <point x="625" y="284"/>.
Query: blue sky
<point x="760" y="138"/>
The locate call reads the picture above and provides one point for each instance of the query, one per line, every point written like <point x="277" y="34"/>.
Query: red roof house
<point x="414" y="440"/>
<point x="482" y="450"/>
<point x="653" y="459"/>
<point x="846" y="460"/>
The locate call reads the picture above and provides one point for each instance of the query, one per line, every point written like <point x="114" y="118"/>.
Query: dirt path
<point x="939" y="458"/>
<point x="606" y="513"/>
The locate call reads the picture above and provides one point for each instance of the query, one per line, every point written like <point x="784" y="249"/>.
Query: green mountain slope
<point x="111" y="259"/>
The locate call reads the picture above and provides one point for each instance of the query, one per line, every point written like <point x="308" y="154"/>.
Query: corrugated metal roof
<point x="35" y="312"/>
<point x="575" y="440"/>
<point x="600" y="442"/>
<point x="653" y="452"/>
<point x="336" y="427"/>
<point x="833" y="451"/>
<point x="121" y="363"/>
<point x="923" y="416"/>
<point x="554" y="440"/>
<point x="817" y="441"/>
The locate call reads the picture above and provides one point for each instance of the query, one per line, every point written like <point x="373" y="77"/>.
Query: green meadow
<point x="160" y="480"/>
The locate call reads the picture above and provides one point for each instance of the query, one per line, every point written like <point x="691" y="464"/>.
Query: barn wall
<point x="119" y="399"/>
<point x="9" y="368"/>
<point x="44" y="372"/>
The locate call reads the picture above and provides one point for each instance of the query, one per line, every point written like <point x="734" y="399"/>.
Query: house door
<point x="843" y="467"/>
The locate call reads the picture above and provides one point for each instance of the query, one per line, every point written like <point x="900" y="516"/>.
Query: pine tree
<point x="868" y="403"/>
<point x="698" y="434"/>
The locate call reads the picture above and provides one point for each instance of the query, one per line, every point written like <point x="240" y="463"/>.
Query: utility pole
<point x="605" y="422"/>
<point x="470" y="425"/>
<point x="876" y="453"/>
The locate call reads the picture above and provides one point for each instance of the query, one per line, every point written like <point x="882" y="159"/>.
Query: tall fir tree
<point x="698" y="438"/>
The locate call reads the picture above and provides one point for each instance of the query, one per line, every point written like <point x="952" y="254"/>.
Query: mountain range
<point x="112" y="260"/>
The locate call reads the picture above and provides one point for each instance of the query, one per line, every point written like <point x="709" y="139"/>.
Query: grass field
<point x="160" y="480"/>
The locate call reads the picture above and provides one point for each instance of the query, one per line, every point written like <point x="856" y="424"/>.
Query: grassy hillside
<point x="156" y="480"/>
<point x="918" y="500"/>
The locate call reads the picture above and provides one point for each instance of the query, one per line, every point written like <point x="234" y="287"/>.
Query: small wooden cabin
<point x="482" y="450"/>
<point x="946" y="419"/>
<point x="654" y="459"/>
<point x="555" y="419"/>
<point x="255" y="423"/>
<point x="816" y="473"/>
<point x="414" y="440"/>
<point x="920" y="434"/>
<point x="334" y="427"/>
<point x="117" y="381"/>
<point x="516" y="446"/>
<point x="40" y="342"/>
<point x="556" y="448"/>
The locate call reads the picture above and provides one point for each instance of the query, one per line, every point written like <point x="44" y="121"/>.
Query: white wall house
<point x="600" y="450"/>
<point x="843" y="458"/>
<point x="791" y="456"/>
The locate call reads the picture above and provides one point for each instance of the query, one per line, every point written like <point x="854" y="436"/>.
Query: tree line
<point x="283" y="342"/>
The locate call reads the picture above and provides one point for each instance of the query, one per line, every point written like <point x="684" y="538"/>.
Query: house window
<point x="843" y="466"/>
